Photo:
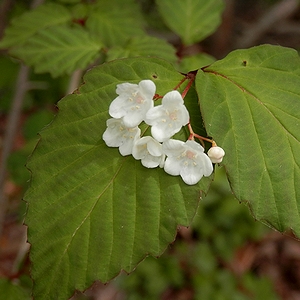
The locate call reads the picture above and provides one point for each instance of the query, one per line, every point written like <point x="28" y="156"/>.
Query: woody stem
<point x="185" y="91"/>
<point x="199" y="137"/>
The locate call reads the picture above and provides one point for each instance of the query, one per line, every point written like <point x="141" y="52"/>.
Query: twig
<point x="10" y="133"/>
<point x="22" y="252"/>
<point x="11" y="128"/>
<point x="74" y="81"/>
<point x="280" y="11"/>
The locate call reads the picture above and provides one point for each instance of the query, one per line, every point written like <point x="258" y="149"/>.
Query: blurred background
<point x="225" y="253"/>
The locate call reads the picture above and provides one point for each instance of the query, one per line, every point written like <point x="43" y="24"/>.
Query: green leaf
<point x="28" y="24"/>
<point x="192" y="20"/>
<point x="144" y="46"/>
<point x="114" y="23"/>
<point x="250" y="103"/>
<point x="11" y="291"/>
<point x="91" y="211"/>
<point x="59" y="50"/>
<point x="195" y="62"/>
<point x="16" y="164"/>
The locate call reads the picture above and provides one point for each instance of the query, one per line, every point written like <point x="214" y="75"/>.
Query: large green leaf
<point x="25" y="26"/>
<point x="250" y="103"/>
<point x="144" y="46"/>
<point x="113" y="22"/>
<point x="192" y="20"/>
<point x="59" y="50"/>
<point x="92" y="212"/>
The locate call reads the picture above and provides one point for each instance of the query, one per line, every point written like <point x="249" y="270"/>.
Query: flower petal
<point x="133" y="119"/>
<point x="162" y="132"/>
<point x="194" y="145"/>
<point x="133" y="102"/>
<point x="154" y="115"/>
<point x="172" y="99"/>
<point x="168" y="118"/>
<point x="149" y="159"/>
<point x="147" y="88"/>
<point x="118" y="135"/>
<point x="154" y="147"/>
<point x="116" y="108"/>
<point x="126" y="88"/>
<point x="172" y="166"/>
<point x="173" y="147"/>
<point x="207" y="165"/>
<point x="190" y="175"/>
<point x="125" y="148"/>
<point x="187" y="160"/>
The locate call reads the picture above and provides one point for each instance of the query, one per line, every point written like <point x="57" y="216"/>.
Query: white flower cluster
<point x="134" y="105"/>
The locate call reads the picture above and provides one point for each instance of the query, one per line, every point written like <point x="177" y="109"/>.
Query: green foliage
<point x="113" y="22"/>
<point x="192" y="20"/>
<point x="111" y="202"/>
<point x="27" y="25"/>
<point x="69" y="1"/>
<point x="35" y="123"/>
<point x="49" y="38"/>
<point x="76" y="134"/>
<point x="195" y="62"/>
<point x="195" y="263"/>
<point x="12" y="291"/>
<point x="250" y="103"/>
<point x="7" y="79"/>
<point x="59" y="49"/>
<point x="68" y="159"/>
<point x="91" y="212"/>
<point x="16" y="164"/>
<point x="17" y="160"/>
<point x="143" y="46"/>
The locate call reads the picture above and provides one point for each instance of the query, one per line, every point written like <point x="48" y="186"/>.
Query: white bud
<point x="216" y="154"/>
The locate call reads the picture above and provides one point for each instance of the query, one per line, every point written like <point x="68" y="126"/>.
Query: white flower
<point x="186" y="159"/>
<point x="118" y="135"/>
<point x="133" y="102"/>
<point x="149" y="151"/>
<point x="216" y="154"/>
<point x="168" y="118"/>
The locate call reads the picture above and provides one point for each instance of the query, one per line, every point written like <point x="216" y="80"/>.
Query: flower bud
<point x="216" y="154"/>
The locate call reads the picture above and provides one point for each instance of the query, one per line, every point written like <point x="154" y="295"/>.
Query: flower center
<point x="139" y="99"/>
<point x="190" y="155"/>
<point x="190" y="158"/>
<point x="173" y="116"/>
